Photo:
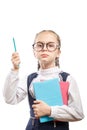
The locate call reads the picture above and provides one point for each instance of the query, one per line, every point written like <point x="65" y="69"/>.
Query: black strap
<point x="30" y="78"/>
<point x="64" y="75"/>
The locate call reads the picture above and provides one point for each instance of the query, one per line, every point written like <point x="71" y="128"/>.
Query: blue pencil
<point x="14" y="44"/>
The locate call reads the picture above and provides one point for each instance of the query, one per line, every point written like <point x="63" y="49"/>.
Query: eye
<point x="39" y="45"/>
<point x="51" y="45"/>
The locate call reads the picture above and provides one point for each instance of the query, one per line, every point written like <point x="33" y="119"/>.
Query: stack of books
<point x="52" y="92"/>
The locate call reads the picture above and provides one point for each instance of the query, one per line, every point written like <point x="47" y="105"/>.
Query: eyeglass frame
<point x="46" y="44"/>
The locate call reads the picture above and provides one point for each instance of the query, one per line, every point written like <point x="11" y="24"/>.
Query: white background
<point x="22" y="19"/>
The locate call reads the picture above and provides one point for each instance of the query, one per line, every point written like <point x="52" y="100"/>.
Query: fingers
<point x="35" y="109"/>
<point x="36" y="113"/>
<point x="15" y="60"/>
<point x="37" y="101"/>
<point x="41" y="108"/>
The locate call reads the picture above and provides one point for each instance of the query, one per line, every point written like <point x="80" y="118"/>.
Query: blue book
<point x="48" y="91"/>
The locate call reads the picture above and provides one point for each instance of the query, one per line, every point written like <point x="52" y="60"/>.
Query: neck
<point x="46" y="66"/>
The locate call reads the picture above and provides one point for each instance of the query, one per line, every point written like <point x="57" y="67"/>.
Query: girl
<point x="46" y="49"/>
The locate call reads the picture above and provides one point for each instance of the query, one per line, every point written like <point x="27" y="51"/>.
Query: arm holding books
<point x="71" y="112"/>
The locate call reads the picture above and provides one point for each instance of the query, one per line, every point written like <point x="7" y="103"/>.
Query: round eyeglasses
<point x="50" y="46"/>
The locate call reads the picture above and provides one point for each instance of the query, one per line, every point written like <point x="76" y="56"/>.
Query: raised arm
<point x="14" y="90"/>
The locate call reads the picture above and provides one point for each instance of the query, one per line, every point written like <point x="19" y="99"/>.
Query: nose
<point x="45" y="47"/>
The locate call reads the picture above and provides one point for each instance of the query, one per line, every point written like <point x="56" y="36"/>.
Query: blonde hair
<point x="58" y="39"/>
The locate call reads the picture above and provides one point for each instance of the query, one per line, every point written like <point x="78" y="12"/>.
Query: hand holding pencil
<point x="15" y="58"/>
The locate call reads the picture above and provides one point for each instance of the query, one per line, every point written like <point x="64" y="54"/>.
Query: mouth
<point x="44" y="55"/>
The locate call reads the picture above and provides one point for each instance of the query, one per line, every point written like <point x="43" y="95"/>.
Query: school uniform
<point x="34" y="124"/>
<point x="62" y="114"/>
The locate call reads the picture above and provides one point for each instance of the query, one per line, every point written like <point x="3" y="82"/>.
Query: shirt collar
<point x="49" y="71"/>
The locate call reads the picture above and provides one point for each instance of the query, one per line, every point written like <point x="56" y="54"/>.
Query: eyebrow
<point x="44" y="42"/>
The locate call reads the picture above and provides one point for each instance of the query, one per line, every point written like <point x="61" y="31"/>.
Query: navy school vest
<point x="31" y="99"/>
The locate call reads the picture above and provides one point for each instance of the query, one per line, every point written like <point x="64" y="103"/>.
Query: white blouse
<point x="15" y="90"/>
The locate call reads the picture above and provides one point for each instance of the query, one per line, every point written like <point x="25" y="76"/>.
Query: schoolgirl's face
<point x="46" y="48"/>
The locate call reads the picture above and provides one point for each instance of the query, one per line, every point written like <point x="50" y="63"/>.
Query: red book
<point x="64" y="89"/>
